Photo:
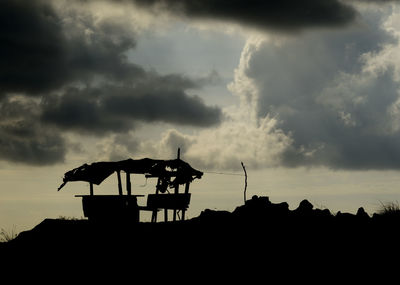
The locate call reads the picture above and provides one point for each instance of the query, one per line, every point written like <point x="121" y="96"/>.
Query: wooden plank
<point x="168" y="174"/>
<point x="107" y="195"/>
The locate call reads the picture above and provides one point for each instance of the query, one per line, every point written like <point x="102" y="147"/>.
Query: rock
<point x="305" y="208"/>
<point x="361" y="213"/>
<point x="217" y="216"/>
<point x="261" y="209"/>
<point x="325" y="213"/>
<point x="305" y="205"/>
<point x="280" y="208"/>
<point x="346" y="217"/>
<point x="256" y="201"/>
<point x="255" y="208"/>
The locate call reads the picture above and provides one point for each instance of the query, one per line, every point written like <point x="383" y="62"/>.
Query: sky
<point x="305" y="93"/>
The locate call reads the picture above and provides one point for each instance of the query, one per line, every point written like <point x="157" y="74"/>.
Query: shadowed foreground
<point x="257" y="234"/>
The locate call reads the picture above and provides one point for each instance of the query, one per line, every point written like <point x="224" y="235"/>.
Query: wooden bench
<point x="176" y="202"/>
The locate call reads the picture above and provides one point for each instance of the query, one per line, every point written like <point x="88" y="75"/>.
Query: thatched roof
<point x="97" y="172"/>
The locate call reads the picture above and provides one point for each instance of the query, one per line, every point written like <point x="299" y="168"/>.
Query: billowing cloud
<point x="282" y="15"/>
<point x="258" y="143"/>
<point x="327" y="99"/>
<point x="335" y="94"/>
<point x="71" y="68"/>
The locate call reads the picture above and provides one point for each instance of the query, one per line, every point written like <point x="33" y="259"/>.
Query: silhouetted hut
<point x="169" y="173"/>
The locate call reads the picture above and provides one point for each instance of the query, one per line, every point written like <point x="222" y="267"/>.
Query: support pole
<point x="245" y="182"/>
<point x="178" y="156"/>
<point x="119" y="183"/>
<point x="128" y="184"/>
<point x="166" y="215"/>
<point x="187" y="185"/>
<point x="91" y="188"/>
<point x="154" y="214"/>
<point x="176" y="192"/>
<point x="158" y="185"/>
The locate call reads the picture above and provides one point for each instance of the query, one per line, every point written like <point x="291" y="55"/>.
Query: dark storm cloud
<point x="282" y="15"/>
<point x="29" y="143"/>
<point x="117" y="109"/>
<point x="74" y="74"/>
<point x="338" y="114"/>
<point x="31" y="51"/>
<point x="167" y="106"/>
<point x="40" y="51"/>
<point x="23" y="139"/>
<point x="81" y="111"/>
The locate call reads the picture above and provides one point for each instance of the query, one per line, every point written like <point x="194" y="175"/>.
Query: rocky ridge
<point x="257" y="229"/>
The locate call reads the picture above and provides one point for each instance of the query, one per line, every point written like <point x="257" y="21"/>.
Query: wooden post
<point x="245" y="182"/>
<point x="158" y="184"/>
<point x="154" y="214"/>
<point x="176" y="192"/>
<point x="178" y="156"/>
<point x="186" y="192"/>
<point x="119" y="183"/>
<point x="91" y="188"/>
<point x="128" y="183"/>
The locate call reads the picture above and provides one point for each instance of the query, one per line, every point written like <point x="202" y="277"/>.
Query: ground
<point x="259" y="234"/>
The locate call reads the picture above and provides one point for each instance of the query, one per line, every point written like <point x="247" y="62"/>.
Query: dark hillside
<point x="257" y="233"/>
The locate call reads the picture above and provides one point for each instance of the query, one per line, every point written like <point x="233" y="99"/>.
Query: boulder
<point x="258" y="202"/>
<point x="346" y="218"/>
<point x="209" y="215"/>
<point x="305" y="205"/>
<point x="279" y="210"/>
<point x="362" y="214"/>
<point x="305" y="208"/>
<point x="325" y="213"/>
<point x="252" y="208"/>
